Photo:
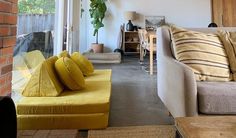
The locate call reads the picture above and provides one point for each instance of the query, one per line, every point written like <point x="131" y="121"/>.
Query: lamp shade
<point x="130" y="15"/>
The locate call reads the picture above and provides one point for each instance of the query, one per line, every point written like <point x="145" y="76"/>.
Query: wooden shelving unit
<point x="131" y="42"/>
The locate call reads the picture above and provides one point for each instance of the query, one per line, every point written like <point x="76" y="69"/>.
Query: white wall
<point x="83" y="27"/>
<point x="185" y="13"/>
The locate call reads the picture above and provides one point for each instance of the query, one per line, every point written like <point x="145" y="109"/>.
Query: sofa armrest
<point x="176" y="82"/>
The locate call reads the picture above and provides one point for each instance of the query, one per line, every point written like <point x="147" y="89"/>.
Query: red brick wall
<point x="8" y="21"/>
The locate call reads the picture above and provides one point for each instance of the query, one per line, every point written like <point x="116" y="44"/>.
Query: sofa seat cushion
<point x="99" y="75"/>
<point x="217" y="97"/>
<point x="95" y="98"/>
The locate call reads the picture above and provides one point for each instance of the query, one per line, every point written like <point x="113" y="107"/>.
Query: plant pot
<point x="97" y="48"/>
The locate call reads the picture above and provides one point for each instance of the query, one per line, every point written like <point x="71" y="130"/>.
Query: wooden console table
<point x="206" y="127"/>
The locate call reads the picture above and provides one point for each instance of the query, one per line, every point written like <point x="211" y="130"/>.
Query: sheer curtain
<point x="67" y="25"/>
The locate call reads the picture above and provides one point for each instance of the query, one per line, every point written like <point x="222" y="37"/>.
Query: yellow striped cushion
<point x="229" y="40"/>
<point x="204" y="53"/>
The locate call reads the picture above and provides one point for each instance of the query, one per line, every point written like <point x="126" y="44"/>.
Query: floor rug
<point x="156" y="131"/>
<point x="60" y="133"/>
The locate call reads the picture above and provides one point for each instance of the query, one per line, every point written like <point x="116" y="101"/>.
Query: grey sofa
<point x="181" y="93"/>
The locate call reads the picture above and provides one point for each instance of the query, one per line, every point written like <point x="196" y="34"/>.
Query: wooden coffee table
<point x="206" y="127"/>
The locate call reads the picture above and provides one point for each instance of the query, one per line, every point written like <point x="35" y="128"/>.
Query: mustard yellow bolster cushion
<point x="44" y="81"/>
<point x="70" y="73"/>
<point x="84" y="64"/>
<point x="64" y="54"/>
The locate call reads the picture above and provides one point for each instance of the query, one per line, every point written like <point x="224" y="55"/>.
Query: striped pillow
<point x="204" y="53"/>
<point x="229" y="41"/>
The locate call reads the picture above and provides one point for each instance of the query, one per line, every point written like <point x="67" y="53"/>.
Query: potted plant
<point x="97" y="12"/>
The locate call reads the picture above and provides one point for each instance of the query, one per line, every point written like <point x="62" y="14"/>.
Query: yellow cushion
<point x="33" y="58"/>
<point x="70" y="73"/>
<point x="229" y="40"/>
<point x="44" y="81"/>
<point x="99" y="75"/>
<point x="64" y="54"/>
<point x="204" y="53"/>
<point x="84" y="64"/>
<point x="95" y="98"/>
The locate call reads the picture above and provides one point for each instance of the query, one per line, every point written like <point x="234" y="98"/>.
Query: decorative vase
<point x="97" y="48"/>
<point x="129" y="26"/>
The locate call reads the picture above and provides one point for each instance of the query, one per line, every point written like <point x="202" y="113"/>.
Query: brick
<point x="13" y="30"/>
<point x="5" y="78"/>
<point x="8" y="19"/>
<point x="2" y="80"/>
<point x="3" y="61"/>
<point x="1" y="18"/>
<point x="15" y="1"/>
<point x="4" y="31"/>
<point x="14" y="9"/>
<point x="11" y="19"/>
<point x="6" y="69"/>
<point x="1" y="43"/>
<point x="6" y="51"/>
<point x="12" y="1"/>
<point x="5" y="7"/>
<point x="2" y="90"/>
<point x="9" y="41"/>
<point x="9" y="59"/>
<point x="5" y="89"/>
<point x="8" y="76"/>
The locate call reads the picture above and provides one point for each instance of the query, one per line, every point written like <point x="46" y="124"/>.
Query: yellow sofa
<point x="84" y="109"/>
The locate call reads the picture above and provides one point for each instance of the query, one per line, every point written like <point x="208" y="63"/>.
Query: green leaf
<point x="97" y="13"/>
<point x="36" y="6"/>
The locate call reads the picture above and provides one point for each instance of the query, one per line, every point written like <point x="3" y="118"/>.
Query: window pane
<point x="35" y="27"/>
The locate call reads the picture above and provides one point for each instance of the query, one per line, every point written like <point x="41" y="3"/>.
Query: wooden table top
<point x="207" y="127"/>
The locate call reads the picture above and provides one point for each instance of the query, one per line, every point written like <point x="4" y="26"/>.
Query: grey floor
<point x="134" y="99"/>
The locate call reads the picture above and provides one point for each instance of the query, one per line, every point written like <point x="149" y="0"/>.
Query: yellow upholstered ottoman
<point x="84" y="109"/>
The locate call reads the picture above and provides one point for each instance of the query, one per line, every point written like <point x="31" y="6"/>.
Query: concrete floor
<point x="134" y="99"/>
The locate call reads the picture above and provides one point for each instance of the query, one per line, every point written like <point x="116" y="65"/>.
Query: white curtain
<point x="73" y="24"/>
<point x="59" y="24"/>
<point x="67" y="15"/>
